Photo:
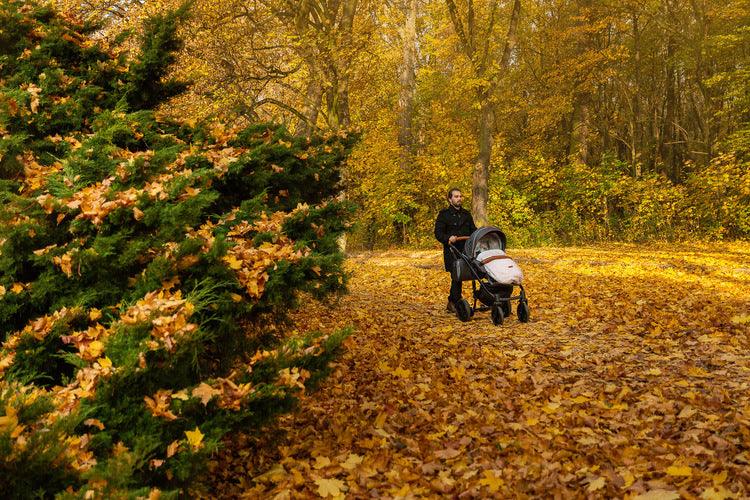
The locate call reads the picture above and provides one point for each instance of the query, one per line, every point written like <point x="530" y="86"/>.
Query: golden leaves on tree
<point x="251" y="262"/>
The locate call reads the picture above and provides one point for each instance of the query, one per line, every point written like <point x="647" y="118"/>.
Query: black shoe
<point x="451" y="307"/>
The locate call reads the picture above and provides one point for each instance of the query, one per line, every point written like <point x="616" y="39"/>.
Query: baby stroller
<point x="493" y="276"/>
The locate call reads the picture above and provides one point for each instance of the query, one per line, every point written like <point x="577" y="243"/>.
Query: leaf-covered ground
<point x="632" y="378"/>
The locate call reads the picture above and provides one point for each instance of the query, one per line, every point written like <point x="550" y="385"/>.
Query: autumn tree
<point x="290" y="60"/>
<point x="596" y="120"/>
<point x="145" y="265"/>
<point x="476" y="28"/>
<point x="605" y="123"/>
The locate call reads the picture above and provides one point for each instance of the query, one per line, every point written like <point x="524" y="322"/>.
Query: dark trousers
<point x="455" y="294"/>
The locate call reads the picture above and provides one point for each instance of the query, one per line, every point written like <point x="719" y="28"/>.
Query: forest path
<point x="633" y="376"/>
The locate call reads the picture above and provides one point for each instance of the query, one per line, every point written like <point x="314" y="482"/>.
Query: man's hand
<point x="452" y="239"/>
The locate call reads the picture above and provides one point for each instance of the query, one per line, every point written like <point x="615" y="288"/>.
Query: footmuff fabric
<point x="500" y="267"/>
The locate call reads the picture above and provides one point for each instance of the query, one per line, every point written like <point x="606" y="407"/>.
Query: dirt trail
<point x="632" y="378"/>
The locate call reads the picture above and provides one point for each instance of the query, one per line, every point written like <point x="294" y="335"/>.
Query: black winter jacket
<point x="453" y="222"/>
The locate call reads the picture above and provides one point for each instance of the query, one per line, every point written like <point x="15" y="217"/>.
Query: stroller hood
<point x="472" y="244"/>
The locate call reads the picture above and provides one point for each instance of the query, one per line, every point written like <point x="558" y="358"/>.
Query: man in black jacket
<point x="451" y="223"/>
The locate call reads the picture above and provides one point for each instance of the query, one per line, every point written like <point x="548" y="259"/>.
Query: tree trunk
<point x="311" y="107"/>
<point x="332" y="95"/>
<point x="344" y="63"/>
<point x="408" y="87"/>
<point x="342" y="101"/>
<point x="481" y="174"/>
<point x="635" y="112"/>
<point x="669" y="137"/>
<point x="702" y="109"/>
<point x="511" y="40"/>
<point x="581" y="133"/>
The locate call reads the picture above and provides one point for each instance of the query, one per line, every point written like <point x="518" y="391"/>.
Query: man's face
<point x="456" y="199"/>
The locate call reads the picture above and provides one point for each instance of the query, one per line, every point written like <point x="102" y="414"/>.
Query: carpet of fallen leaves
<point x="632" y="380"/>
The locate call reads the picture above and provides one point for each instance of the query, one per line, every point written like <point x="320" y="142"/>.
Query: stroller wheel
<point x="497" y="314"/>
<point x="523" y="311"/>
<point x="463" y="310"/>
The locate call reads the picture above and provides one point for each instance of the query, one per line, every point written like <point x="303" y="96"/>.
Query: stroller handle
<point x="458" y="238"/>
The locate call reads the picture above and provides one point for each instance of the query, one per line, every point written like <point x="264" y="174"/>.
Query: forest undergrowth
<point x="631" y="380"/>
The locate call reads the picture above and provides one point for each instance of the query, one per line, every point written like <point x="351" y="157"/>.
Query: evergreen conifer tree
<point x="141" y="262"/>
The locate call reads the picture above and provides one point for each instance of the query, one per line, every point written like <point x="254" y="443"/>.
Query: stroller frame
<point x="501" y="306"/>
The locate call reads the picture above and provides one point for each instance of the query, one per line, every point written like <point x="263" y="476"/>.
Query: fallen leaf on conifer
<point x="205" y="392"/>
<point x="194" y="438"/>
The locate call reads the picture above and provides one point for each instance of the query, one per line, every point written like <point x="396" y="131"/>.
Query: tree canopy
<point x="584" y="120"/>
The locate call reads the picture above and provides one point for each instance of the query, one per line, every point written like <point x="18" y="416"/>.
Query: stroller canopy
<point x="484" y="238"/>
